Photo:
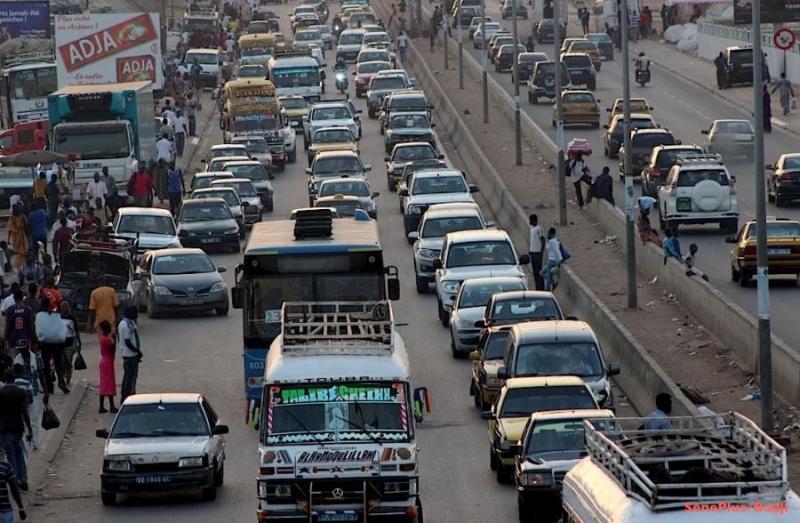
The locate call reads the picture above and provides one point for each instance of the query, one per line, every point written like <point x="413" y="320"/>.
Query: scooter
<point x="642" y="77"/>
<point x="341" y="80"/>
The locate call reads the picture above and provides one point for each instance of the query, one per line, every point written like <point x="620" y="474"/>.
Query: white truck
<point x="337" y="439"/>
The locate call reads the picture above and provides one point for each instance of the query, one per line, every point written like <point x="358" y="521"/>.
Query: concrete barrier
<point x="641" y="377"/>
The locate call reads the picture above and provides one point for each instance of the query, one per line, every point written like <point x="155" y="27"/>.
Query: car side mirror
<point x="308" y="170"/>
<point x="367" y="168"/>
<point x="413" y="235"/>
<point x="402" y="192"/>
<point x="704" y="131"/>
<point x="605" y="126"/>
<point x="487" y="415"/>
<point x="437" y="263"/>
<point x="730" y="239"/>
<point x="525" y="259"/>
<point x="386" y="159"/>
<point x="678" y="142"/>
<point x="440" y="157"/>
<point x="237" y="297"/>
<point x="221" y="269"/>
<point x="769" y="167"/>
<point x="375" y="194"/>
<point x="474" y="356"/>
<point x="101" y="433"/>
<point x="220" y="429"/>
<point x="613" y="369"/>
<point x="481" y="324"/>
<point x="474" y="189"/>
<point x="433" y="125"/>
<point x="502" y="373"/>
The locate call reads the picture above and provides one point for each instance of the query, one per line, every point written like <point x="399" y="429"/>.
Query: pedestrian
<point x="110" y="181"/>
<point x="658" y="419"/>
<point x="579" y="174"/>
<point x="402" y="45"/>
<point x="196" y="70"/>
<point x="14" y="419"/>
<point x="103" y="304"/>
<point x="554" y="259"/>
<point x="19" y="330"/>
<point x="62" y="239"/>
<point x="669" y="247"/>
<point x="584" y="17"/>
<point x="690" y="260"/>
<point x="644" y="22"/>
<point x="536" y="243"/>
<point x="164" y="149"/>
<point x="181" y="130"/>
<point x="72" y="345"/>
<point x="8" y="301"/>
<point x="721" y="67"/>
<point x="40" y="137"/>
<point x="108" y="380"/>
<point x="17" y="235"/>
<point x="786" y="92"/>
<point x="664" y="18"/>
<point x="50" y="290"/>
<point x="131" y="351"/>
<point x="191" y="108"/>
<point x="175" y="188"/>
<point x="166" y="128"/>
<point x="40" y="188"/>
<point x="31" y="272"/>
<point x="30" y="360"/>
<point x="32" y="299"/>
<point x="8" y="484"/>
<point x="51" y="335"/>
<point x="766" y="101"/>
<point x="37" y="222"/>
<point x="140" y="186"/>
<point x="52" y="194"/>
<point x="96" y="190"/>
<point x="602" y="187"/>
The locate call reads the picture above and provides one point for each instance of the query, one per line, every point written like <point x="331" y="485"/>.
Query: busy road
<point x="686" y="109"/>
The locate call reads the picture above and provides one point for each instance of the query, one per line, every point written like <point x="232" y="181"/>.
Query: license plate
<point x="337" y="515"/>
<point x="575" y="71"/>
<point x="776" y="250"/>
<point x="683" y="205"/>
<point x="190" y="302"/>
<point x="210" y="240"/>
<point x="153" y="480"/>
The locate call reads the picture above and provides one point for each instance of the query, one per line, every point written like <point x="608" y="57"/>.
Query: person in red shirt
<point x="40" y="137"/>
<point x="62" y="239"/>
<point x="50" y="290"/>
<point x="140" y="186"/>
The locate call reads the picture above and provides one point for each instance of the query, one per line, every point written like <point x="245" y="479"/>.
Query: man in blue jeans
<point x="8" y="484"/>
<point x="13" y="422"/>
<point x="128" y="335"/>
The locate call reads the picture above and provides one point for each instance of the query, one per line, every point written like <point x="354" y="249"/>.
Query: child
<point x="108" y="381"/>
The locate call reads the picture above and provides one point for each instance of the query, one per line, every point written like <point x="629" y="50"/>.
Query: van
<point x="20" y="138"/>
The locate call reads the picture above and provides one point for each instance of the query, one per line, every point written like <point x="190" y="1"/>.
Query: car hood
<point x="434" y="243"/>
<point x="431" y="199"/>
<point x="209" y="226"/>
<point x="183" y="281"/>
<point x="483" y="271"/>
<point x="557" y="461"/>
<point x="512" y="428"/>
<point x="151" y="241"/>
<point x="467" y="316"/>
<point x="251" y="201"/>
<point x="156" y="450"/>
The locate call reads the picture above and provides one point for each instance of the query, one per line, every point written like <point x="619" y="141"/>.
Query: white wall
<point x="709" y="46"/>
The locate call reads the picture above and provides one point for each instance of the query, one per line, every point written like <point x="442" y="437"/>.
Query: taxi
<point x="638" y="105"/>
<point x="296" y="108"/>
<point x="783" y="249"/>
<point x="332" y="139"/>
<point x="486" y="361"/>
<point x="579" y="107"/>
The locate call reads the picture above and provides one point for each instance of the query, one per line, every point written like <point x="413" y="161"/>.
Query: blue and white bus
<point x="298" y="75"/>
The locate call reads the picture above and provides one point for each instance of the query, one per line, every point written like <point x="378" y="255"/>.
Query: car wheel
<point x="453" y="351"/>
<point x="152" y="311"/>
<point x="209" y="493"/>
<point x="306" y="143"/>
<point x="392" y="184"/>
<point x="109" y="498"/>
<point x="422" y="286"/>
<point x="442" y="313"/>
<point x="293" y="155"/>
<point x="270" y="206"/>
<point x="734" y="274"/>
<point x="219" y="475"/>
<point x="501" y="473"/>
<point x="222" y="311"/>
<point x="492" y="459"/>
<point x="744" y="278"/>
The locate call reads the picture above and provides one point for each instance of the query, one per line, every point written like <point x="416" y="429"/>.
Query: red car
<point x="365" y="72"/>
<point x="22" y="137"/>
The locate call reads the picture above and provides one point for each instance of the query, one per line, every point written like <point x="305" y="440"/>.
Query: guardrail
<point x="742" y="34"/>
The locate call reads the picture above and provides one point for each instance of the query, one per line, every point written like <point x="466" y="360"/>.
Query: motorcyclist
<point x="340" y="73"/>
<point x="642" y="63"/>
<point x="529" y="45"/>
<point x="340" y="64"/>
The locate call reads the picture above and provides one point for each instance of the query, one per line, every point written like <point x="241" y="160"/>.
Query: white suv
<point x="474" y="254"/>
<point x="699" y="190"/>
<point x="429" y="187"/>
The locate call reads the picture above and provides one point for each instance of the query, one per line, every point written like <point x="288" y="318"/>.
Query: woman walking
<point x="18" y="236"/>
<point x="73" y="343"/>
<point x="108" y="381"/>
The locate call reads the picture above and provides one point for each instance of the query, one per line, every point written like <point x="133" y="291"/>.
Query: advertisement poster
<point x="108" y="48"/>
<point x="772" y="11"/>
<point x="24" y="20"/>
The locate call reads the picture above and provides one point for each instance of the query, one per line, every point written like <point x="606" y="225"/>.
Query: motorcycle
<point x="341" y="81"/>
<point x="642" y="76"/>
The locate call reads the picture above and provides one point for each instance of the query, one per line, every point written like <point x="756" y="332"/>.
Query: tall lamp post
<point x="515" y="74"/>
<point x="484" y="79"/>
<point x="562" y="166"/>
<point x="630" y="240"/>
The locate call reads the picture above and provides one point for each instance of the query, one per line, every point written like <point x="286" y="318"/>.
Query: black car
<point x="208" y="224"/>
<point x="604" y="44"/>
<point x="544" y="31"/>
<point x="404" y="153"/>
<point x="662" y="158"/>
<point x="504" y="61"/>
<point x="612" y="141"/>
<point x="465" y="14"/>
<point x="581" y="70"/>
<point x="543" y="82"/>
<point x="739" y="66"/>
<point x="527" y="61"/>
<point x="408" y="127"/>
<point x="783" y="182"/>
<point x="642" y="143"/>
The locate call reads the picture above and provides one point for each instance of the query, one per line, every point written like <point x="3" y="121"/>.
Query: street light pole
<point x="562" y="167"/>
<point x="515" y="74"/>
<point x="484" y="79"/>
<point x="762" y="281"/>
<point x="446" y="28"/>
<point x="460" y="54"/>
<point x="630" y="240"/>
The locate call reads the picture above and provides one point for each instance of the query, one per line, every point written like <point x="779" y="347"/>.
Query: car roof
<point x="342" y="103"/>
<point x="516" y="295"/>
<point x="213" y="174"/>
<point x="222" y="146"/>
<point x="436" y="173"/>
<point x="172" y="251"/>
<point x="401" y="114"/>
<point x="163" y="397"/>
<point x="478" y="235"/>
<point x="221" y="182"/>
<point x="343" y="180"/>
<point x="544" y="381"/>
<point x="487" y="280"/>
<point x="144" y="211"/>
<point x="336" y="154"/>
<point x="235" y="163"/>
<point x="637" y="116"/>
<point x="403" y="145"/>
<point x="205" y="190"/>
<point x="731" y="120"/>
<point x="554" y="330"/>
<point x="203" y="201"/>
<point x="230" y="158"/>
<point x="658" y="130"/>
<point x="444" y="210"/>
<point x="573" y="55"/>
<point x="551" y="415"/>
<point x="337" y="198"/>
<point x="577" y="91"/>
<point x="409" y="93"/>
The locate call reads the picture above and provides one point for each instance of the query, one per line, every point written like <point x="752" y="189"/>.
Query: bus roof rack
<point x="311" y="222"/>
<point x="288" y="52"/>
<point x="701" y="459"/>
<point x="329" y="327"/>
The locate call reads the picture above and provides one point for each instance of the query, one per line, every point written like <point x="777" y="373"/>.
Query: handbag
<point x="49" y="419"/>
<point x="565" y="254"/>
<point x="79" y="363"/>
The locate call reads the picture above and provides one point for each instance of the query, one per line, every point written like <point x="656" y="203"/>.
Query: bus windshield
<point x="355" y="411"/>
<point x="33" y="83"/>
<point x="295" y="77"/>
<point x="93" y="141"/>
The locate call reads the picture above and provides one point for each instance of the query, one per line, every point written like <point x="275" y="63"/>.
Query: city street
<point x="686" y="109"/>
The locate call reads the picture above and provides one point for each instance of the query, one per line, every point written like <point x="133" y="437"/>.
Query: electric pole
<point x="515" y="74"/>
<point x="562" y="167"/>
<point x="484" y="79"/>
<point x="460" y="53"/>
<point x="630" y="240"/>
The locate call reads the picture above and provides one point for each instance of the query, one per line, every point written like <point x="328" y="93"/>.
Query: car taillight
<point x="750" y="250"/>
<point x="786" y="177"/>
<point x="655" y="173"/>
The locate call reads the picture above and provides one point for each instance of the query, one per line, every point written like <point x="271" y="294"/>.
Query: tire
<point x="422" y="286"/>
<point x="109" y="498"/>
<point x="306" y="143"/>
<point x="219" y="476"/>
<point x="734" y="274"/>
<point x="533" y="98"/>
<point x="222" y="311"/>
<point x="152" y="311"/>
<point x="293" y="155"/>
<point x="492" y="460"/>
<point x="501" y="473"/>
<point x="209" y="493"/>
<point x="592" y="85"/>
<point x="391" y="184"/>
<point x="744" y="278"/>
<point x="443" y="318"/>
<point x="270" y="206"/>
<point x="476" y="398"/>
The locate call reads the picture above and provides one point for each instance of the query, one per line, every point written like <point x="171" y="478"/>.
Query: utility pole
<point x="446" y="22"/>
<point x="515" y="74"/>
<point x="484" y="79"/>
<point x="630" y="240"/>
<point x="562" y="167"/>
<point x="762" y="281"/>
<point x="460" y="54"/>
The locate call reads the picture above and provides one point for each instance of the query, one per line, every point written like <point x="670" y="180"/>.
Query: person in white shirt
<point x="164" y="149"/>
<point x="52" y="333"/>
<point x="96" y="190"/>
<point x="169" y="113"/>
<point x="230" y="45"/>
<point x="554" y="258"/>
<point x="535" y="249"/>
<point x="130" y="344"/>
<point x="181" y="130"/>
<point x="579" y="173"/>
<point x="8" y="301"/>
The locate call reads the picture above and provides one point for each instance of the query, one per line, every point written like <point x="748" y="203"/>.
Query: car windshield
<point x="791" y="162"/>
<point x="559" y="358"/>
<point x="333" y="136"/>
<point x="160" y="420"/>
<point x="417" y="152"/>
<point x="733" y="128"/>
<point x="306" y="36"/>
<point x="409" y="120"/>
<point x="470" y="254"/>
<point x="331" y="113"/>
<point x="439" y="185"/>
<point x="562" y="435"/>
<point x="495" y="347"/>
<point x="408" y="103"/>
<point x="242" y="189"/>
<point x="521" y="402"/>
<point x="323" y="29"/>
<point x="204" y="182"/>
<point x="228" y="152"/>
<point x="373" y="67"/>
<point x="294" y="103"/>
<point x="530" y="58"/>
<point x="351" y="39"/>
<point x="777" y="230"/>
<point x="478" y="295"/>
<point x="521" y="309"/>
<point x="636" y="123"/>
<point x="202" y="58"/>
<point x="335" y="166"/>
<point x="439" y="227"/>
<point x="353" y="188"/>
<point x="598" y="37"/>
<point x="182" y="264"/>
<point x="255" y="51"/>
<point x="577" y="61"/>
<point x="345" y="208"/>
<point x="692" y="178"/>
<point x="582" y="46"/>
<point x="230" y="197"/>
<point x="253" y="172"/>
<point x="667" y="157"/>
<point x="145" y="224"/>
<point x="578" y="98"/>
<point x="252" y="71"/>
<point x="204" y="213"/>
<point x="742" y="56"/>
<point x="652" y="139"/>
<point x="381" y="83"/>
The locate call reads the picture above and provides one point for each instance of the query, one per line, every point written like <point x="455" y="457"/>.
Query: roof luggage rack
<point x="289" y="52"/>
<point x="698" y="158"/>
<point x="354" y="328"/>
<point x="310" y="222"/>
<point x="701" y="459"/>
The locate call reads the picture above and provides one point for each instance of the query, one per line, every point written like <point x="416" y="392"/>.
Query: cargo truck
<point x="108" y="125"/>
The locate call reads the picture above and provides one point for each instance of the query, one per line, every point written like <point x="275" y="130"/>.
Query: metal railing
<point x="742" y="34"/>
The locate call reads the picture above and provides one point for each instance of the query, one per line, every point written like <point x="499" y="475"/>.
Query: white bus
<point x="26" y="82"/>
<point x="296" y="75"/>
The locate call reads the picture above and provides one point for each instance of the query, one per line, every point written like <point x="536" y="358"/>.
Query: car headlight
<point x="232" y="231"/>
<point x="450" y="287"/>
<point x="160" y="289"/>
<point x="219" y="286"/>
<point x="118" y="465"/>
<point x="428" y="253"/>
<point x="414" y="209"/>
<point x="194" y="461"/>
<point x="536" y="479"/>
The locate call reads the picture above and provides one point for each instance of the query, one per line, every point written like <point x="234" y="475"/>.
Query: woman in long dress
<point x="108" y="381"/>
<point x="17" y="236"/>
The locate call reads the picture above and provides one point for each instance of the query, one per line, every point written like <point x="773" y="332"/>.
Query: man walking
<point x="584" y="16"/>
<point x="8" y="483"/>
<point x="19" y="323"/>
<point x="535" y="248"/>
<point x="14" y="420"/>
<point x="30" y="361"/>
<point x="402" y="45"/>
<point x="52" y="194"/>
<point x="37" y="220"/>
<point x="719" y="64"/>
<point x="786" y="92"/>
<point x="191" y="108"/>
<point x="181" y="130"/>
<point x="52" y="333"/>
<point x="103" y="303"/>
<point x="578" y="174"/>
<point x="175" y="189"/>
<point x="131" y="352"/>
<point x="140" y="186"/>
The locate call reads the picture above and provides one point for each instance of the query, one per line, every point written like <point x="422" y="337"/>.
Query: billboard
<point x="24" y="20"/>
<point x="108" y="48"/>
<point x="772" y="11"/>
